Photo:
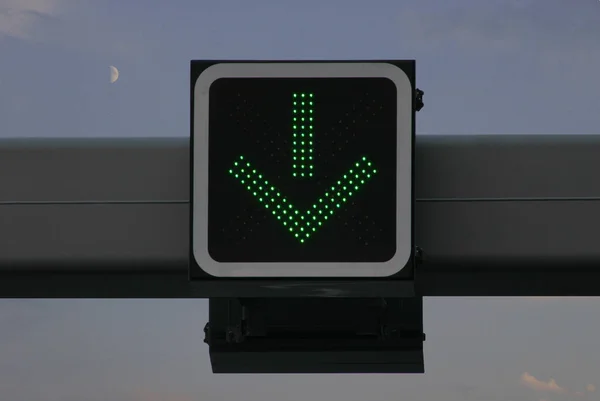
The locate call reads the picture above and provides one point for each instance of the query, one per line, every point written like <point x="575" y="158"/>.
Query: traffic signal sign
<point x="302" y="169"/>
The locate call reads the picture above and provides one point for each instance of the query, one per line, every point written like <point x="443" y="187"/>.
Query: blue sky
<point x="527" y="66"/>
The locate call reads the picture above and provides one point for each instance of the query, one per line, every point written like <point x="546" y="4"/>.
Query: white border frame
<point x="303" y="70"/>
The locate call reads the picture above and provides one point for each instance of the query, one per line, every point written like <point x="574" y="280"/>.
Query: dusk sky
<point x="508" y="67"/>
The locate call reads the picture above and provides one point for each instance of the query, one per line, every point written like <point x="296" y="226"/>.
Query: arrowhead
<point x="302" y="224"/>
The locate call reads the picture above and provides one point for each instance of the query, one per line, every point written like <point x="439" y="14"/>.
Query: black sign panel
<point x="302" y="170"/>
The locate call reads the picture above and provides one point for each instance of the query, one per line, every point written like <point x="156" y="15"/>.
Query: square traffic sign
<point x="302" y="169"/>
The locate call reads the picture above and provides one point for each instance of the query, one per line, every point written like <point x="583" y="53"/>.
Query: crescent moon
<point x="114" y="74"/>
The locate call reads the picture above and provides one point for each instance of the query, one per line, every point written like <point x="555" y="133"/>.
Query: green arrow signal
<point x="302" y="135"/>
<point x="302" y="224"/>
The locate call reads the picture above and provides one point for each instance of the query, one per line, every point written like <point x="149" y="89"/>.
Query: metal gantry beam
<point x="495" y="215"/>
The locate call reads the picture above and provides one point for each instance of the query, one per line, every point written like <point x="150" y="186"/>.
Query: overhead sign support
<point x="303" y="170"/>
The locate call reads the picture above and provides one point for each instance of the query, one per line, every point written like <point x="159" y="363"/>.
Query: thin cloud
<point x="20" y="18"/>
<point x="557" y="29"/>
<point x="72" y="25"/>
<point x="533" y="383"/>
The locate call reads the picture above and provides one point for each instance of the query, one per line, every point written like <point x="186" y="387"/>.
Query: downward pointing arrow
<point x="302" y="224"/>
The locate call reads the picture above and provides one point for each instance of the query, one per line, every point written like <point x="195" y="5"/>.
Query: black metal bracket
<point x="419" y="99"/>
<point x="328" y="335"/>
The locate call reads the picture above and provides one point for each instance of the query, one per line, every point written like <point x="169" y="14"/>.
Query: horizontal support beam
<point x="495" y="215"/>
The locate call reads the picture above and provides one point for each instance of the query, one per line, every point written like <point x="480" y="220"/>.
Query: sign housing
<point x="302" y="169"/>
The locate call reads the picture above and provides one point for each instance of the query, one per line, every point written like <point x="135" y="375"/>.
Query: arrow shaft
<point x="303" y="135"/>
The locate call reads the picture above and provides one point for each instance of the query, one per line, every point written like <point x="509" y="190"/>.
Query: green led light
<point x="301" y="106"/>
<point x="302" y="223"/>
